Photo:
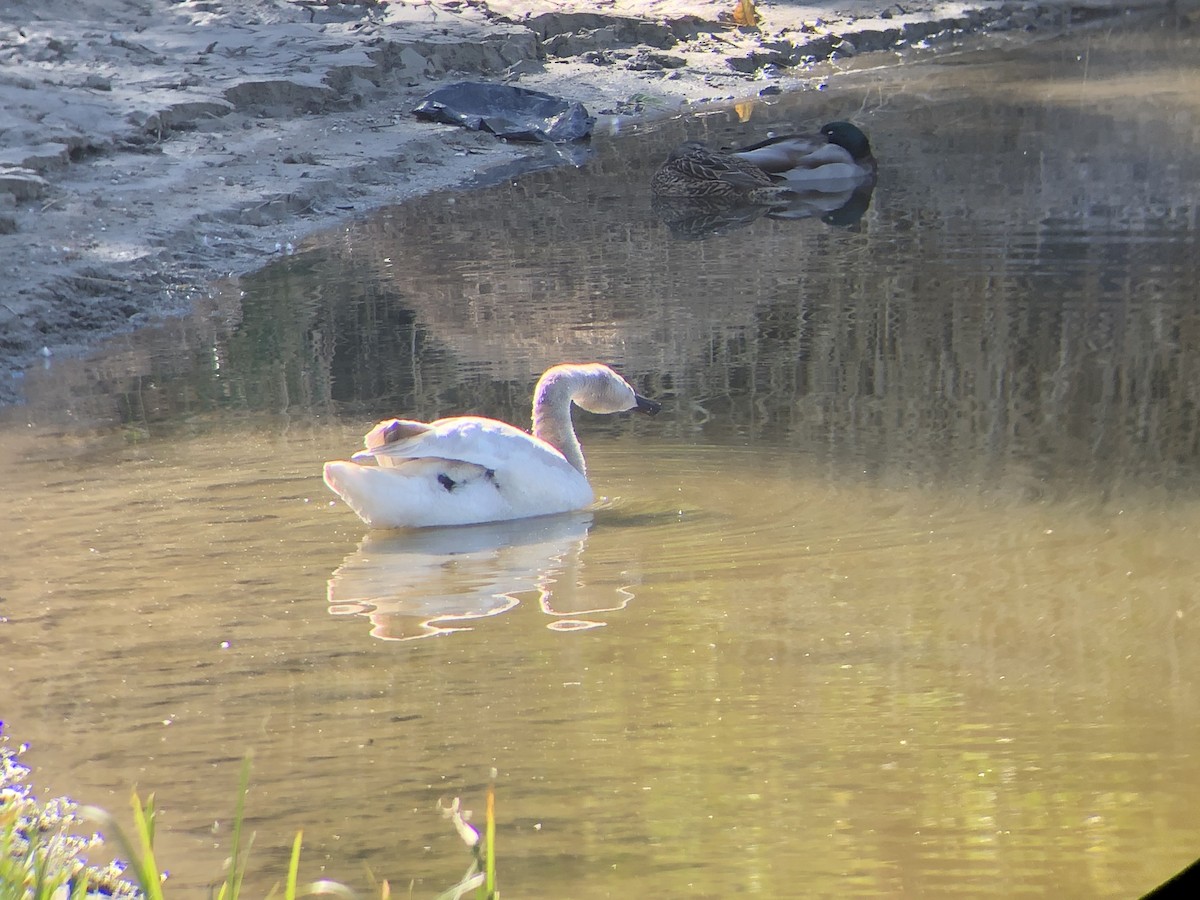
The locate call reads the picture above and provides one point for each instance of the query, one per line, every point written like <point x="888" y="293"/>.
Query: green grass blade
<point x="232" y="887"/>
<point x="146" y="875"/>
<point x="43" y="886"/>
<point x="143" y="824"/>
<point x="289" y="890"/>
<point x="491" y="837"/>
<point x="79" y="892"/>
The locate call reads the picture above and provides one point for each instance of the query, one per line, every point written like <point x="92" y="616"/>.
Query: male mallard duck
<point x="468" y="469"/>
<point x="838" y="158"/>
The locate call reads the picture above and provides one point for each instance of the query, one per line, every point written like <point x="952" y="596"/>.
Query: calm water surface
<point x="897" y="597"/>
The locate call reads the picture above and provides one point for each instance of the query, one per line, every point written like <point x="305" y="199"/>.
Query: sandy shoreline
<point x="150" y="146"/>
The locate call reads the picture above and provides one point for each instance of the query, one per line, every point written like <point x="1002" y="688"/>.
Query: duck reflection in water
<point x="699" y="192"/>
<point x="699" y="219"/>
<point x="419" y="584"/>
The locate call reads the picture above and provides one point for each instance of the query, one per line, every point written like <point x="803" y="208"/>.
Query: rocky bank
<point x="148" y="147"/>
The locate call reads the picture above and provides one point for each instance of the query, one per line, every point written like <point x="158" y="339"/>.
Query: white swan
<point x="467" y="469"/>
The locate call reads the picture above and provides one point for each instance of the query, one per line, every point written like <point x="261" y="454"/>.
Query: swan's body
<point x="836" y="159"/>
<point x="468" y="469"/>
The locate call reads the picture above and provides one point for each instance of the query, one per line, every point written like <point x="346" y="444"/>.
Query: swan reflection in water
<point x="433" y="581"/>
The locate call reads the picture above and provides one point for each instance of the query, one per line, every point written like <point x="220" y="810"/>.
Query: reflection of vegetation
<point x="304" y="341"/>
<point x="1033" y="313"/>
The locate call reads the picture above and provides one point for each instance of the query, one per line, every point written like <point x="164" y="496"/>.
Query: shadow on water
<point x="907" y="562"/>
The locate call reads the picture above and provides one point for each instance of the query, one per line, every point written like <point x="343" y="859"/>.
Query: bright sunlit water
<point x="896" y="597"/>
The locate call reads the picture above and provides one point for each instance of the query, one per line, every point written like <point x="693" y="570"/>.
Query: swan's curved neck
<point x="552" y="417"/>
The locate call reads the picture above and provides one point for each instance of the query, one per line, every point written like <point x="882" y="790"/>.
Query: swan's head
<point x="594" y="387"/>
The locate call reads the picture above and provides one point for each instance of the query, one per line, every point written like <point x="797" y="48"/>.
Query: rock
<point x="524" y="67"/>
<point x="755" y="61"/>
<point x="667" y="60"/>
<point x="22" y="184"/>
<point x="39" y="157"/>
<point x="410" y="61"/>
<point x="870" y="40"/>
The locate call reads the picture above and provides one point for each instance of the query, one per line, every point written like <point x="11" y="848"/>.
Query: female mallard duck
<point x="838" y="158"/>
<point x="467" y="470"/>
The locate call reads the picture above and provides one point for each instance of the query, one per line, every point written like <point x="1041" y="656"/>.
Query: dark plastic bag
<point x="511" y="113"/>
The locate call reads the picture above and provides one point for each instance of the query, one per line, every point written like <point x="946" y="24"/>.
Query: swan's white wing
<point x="489" y="443"/>
<point x="458" y="471"/>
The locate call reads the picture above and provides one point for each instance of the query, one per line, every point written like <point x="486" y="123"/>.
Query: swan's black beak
<point x="646" y="405"/>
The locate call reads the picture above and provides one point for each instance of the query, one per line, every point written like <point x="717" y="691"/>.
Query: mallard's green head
<point x="847" y="135"/>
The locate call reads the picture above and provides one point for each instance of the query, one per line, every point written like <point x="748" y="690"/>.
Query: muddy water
<point x="897" y="596"/>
